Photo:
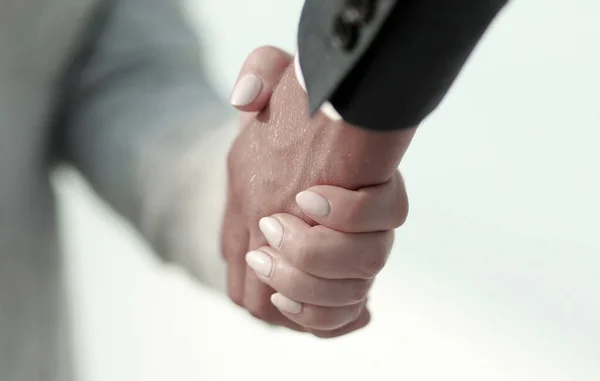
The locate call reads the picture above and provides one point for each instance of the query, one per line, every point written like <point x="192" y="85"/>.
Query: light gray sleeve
<point x="139" y="107"/>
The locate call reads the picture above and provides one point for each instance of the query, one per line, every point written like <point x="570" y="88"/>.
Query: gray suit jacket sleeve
<point x="138" y="105"/>
<point x="386" y="64"/>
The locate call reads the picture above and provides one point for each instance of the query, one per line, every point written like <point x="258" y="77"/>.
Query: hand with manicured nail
<point x="312" y="204"/>
<point x="323" y="273"/>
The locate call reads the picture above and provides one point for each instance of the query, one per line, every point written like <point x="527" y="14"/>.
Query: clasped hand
<point x="310" y="214"/>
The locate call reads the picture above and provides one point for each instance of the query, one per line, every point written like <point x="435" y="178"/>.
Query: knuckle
<point x="259" y="310"/>
<point x="372" y="266"/>
<point x="377" y="257"/>
<point x="261" y="50"/>
<point x="354" y="314"/>
<point x="342" y="326"/>
<point x="227" y="248"/>
<point x="324" y="321"/>
<point x="400" y="212"/>
<point x="355" y="212"/>
<point x="236" y="297"/>
<point x="359" y="290"/>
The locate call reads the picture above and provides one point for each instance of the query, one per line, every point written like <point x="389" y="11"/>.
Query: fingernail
<point x="246" y="90"/>
<point x="272" y="230"/>
<point x="285" y="304"/>
<point x="313" y="203"/>
<point x="260" y="262"/>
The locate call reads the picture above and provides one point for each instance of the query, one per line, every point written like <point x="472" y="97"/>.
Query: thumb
<point x="259" y="75"/>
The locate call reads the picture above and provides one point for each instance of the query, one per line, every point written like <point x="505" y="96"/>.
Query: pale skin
<point x="312" y="205"/>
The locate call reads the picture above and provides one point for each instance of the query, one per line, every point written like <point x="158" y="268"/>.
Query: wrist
<point x="387" y="147"/>
<point x="348" y="156"/>
<point x="375" y="155"/>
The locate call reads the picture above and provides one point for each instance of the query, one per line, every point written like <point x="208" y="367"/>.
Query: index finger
<point x="376" y="208"/>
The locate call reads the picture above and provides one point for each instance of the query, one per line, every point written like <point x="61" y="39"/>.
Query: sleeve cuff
<point x="327" y="108"/>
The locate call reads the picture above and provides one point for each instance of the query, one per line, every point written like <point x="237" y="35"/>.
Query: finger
<point x="257" y="294"/>
<point x="260" y="73"/>
<point x="258" y="307"/>
<point x="315" y="317"/>
<point x="272" y="269"/>
<point x="234" y="244"/>
<point x="363" y="320"/>
<point x="324" y="252"/>
<point x="256" y="298"/>
<point x="257" y="301"/>
<point x="246" y="118"/>
<point x="370" y="209"/>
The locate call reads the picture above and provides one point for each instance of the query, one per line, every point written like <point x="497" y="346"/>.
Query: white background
<point x="494" y="277"/>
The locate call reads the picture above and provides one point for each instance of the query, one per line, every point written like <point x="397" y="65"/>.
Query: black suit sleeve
<point x="386" y="64"/>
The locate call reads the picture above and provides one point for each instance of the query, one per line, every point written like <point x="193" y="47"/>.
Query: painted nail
<point x="246" y="90"/>
<point x="260" y="262"/>
<point x="313" y="203"/>
<point x="272" y="230"/>
<point x="285" y="304"/>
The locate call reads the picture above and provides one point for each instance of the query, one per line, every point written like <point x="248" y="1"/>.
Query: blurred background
<point x="496" y="275"/>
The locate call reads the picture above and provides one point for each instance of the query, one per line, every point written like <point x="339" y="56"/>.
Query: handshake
<point x="312" y="205"/>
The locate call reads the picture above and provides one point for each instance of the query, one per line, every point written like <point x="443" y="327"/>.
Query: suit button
<point x="358" y="11"/>
<point x="344" y="34"/>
